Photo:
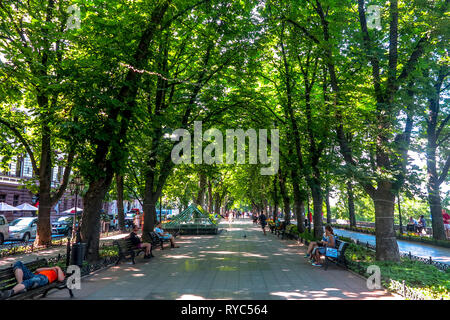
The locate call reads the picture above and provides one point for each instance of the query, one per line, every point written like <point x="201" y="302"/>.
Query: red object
<point x="446" y="217"/>
<point x="50" y="274"/>
<point x="310" y="216"/>
<point x="37" y="204"/>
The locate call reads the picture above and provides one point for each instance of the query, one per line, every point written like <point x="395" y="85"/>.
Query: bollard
<point x="431" y="261"/>
<point x="410" y="256"/>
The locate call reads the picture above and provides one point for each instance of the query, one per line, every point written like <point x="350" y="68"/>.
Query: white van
<point x="4" y="229"/>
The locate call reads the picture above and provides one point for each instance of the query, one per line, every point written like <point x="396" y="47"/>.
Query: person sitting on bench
<point x="165" y="235"/>
<point x="329" y="241"/>
<point x="27" y="280"/>
<point x="138" y="243"/>
<point x="313" y="244"/>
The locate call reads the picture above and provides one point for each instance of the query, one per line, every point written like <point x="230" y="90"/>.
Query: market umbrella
<point x="6" y="207"/>
<point x="27" y="207"/>
<point x="72" y="210"/>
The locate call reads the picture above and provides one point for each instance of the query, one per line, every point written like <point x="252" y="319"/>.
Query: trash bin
<point x="78" y="252"/>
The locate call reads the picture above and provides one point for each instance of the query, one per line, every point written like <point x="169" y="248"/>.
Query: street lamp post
<point x="76" y="186"/>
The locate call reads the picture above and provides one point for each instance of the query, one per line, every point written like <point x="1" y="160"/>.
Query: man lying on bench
<point x="165" y="235"/>
<point x="27" y="280"/>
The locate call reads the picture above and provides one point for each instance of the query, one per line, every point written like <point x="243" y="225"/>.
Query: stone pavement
<point x="225" y="266"/>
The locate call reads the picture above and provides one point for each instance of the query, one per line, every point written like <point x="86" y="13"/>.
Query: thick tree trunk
<point x="351" y="204"/>
<point x="90" y="220"/>
<point x="318" y="211"/>
<point x="434" y="200"/>
<point x="149" y="209"/>
<point x="386" y="242"/>
<point x="44" y="229"/>
<point x="120" y="209"/>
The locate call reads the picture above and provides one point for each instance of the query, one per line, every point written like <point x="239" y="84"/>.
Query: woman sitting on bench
<point x="165" y="235"/>
<point x="315" y="249"/>
<point x="138" y="243"/>
<point x="27" y="280"/>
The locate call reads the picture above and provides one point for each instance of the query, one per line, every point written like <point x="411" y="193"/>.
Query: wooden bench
<point x="340" y="259"/>
<point x="156" y="240"/>
<point x="127" y="250"/>
<point x="8" y="281"/>
<point x="281" y="230"/>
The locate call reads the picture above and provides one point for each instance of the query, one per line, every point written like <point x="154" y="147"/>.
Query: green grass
<point x="423" y="278"/>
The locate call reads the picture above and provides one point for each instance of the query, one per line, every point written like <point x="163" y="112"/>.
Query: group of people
<point x="148" y="246"/>
<point x="420" y="226"/>
<point x="27" y="280"/>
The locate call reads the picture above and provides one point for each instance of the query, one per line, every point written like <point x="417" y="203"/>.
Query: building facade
<point x="13" y="191"/>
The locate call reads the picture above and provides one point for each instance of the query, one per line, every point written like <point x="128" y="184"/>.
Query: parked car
<point x="63" y="225"/>
<point x="129" y="219"/>
<point x="4" y="229"/>
<point x="23" y="228"/>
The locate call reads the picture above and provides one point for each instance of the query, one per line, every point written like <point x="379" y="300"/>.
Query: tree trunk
<point x="90" y="220"/>
<point x="327" y="202"/>
<point x="210" y="197"/>
<point x="275" y="198"/>
<point x="434" y="198"/>
<point x="284" y="195"/>
<point x="386" y="242"/>
<point x="318" y="212"/>
<point x="149" y="209"/>
<point x="120" y="209"/>
<point x="200" y="199"/>
<point x="44" y="229"/>
<point x="351" y="204"/>
<point x="299" y="202"/>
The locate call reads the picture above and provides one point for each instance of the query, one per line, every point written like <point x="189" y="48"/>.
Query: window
<point x="16" y="200"/>
<point x="2" y="221"/>
<point x="2" y="197"/>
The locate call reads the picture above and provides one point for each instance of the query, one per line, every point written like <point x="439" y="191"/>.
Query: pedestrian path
<point x="239" y="263"/>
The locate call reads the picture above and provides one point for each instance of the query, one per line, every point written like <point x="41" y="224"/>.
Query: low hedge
<point x="424" y="279"/>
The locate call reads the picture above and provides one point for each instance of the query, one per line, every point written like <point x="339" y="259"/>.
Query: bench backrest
<point x="125" y="245"/>
<point x="154" y="236"/>
<point x="341" y="246"/>
<point x="8" y="279"/>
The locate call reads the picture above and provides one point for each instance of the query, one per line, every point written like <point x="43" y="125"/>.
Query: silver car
<point x="4" y="231"/>
<point x="23" y="229"/>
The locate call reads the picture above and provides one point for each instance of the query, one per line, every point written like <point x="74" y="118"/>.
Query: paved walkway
<point x="225" y="266"/>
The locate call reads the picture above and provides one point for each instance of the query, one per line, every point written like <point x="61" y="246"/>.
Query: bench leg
<point x="70" y="292"/>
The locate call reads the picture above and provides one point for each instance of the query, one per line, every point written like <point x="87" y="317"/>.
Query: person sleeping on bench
<point x="27" y="280"/>
<point x="165" y="235"/>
